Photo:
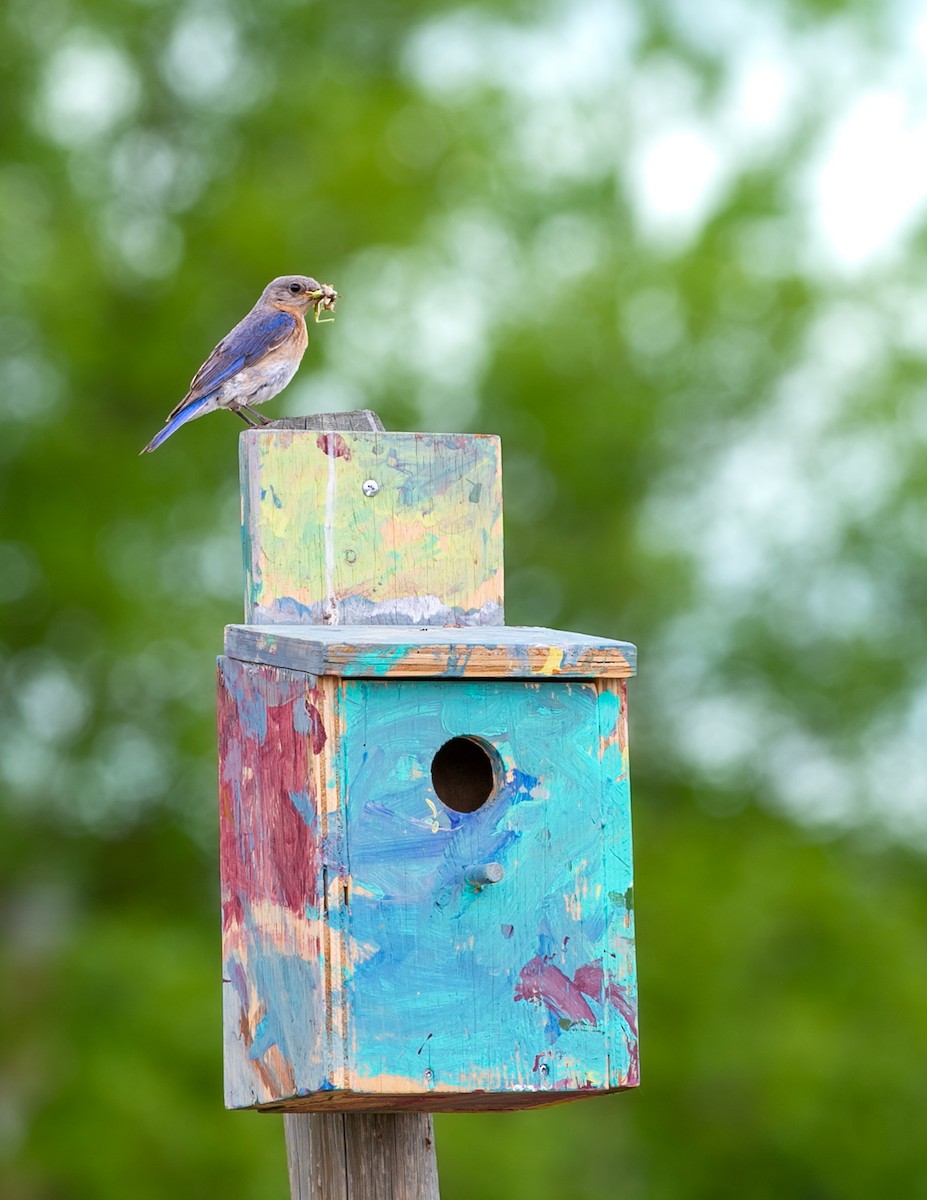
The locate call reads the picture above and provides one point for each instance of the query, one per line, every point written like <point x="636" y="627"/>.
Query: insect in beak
<point x="325" y="302"/>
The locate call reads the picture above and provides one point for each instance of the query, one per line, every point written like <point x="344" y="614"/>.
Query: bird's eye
<point x="296" y="288"/>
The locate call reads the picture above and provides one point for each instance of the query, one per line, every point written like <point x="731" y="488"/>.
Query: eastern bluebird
<point x="257" y="359"/>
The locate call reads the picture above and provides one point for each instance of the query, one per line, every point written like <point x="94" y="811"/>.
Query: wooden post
<point x="357" y="1156"/>
<point x="361" y="1156"/>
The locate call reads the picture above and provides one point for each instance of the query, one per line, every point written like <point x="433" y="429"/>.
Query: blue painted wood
<point x="362" y="968"/>
<point x="527" y="985"/>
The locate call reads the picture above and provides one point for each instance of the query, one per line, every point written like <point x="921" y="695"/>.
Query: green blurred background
<point x="674" y="253"/>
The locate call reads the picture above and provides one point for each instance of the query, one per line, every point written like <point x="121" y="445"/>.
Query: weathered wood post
<point x="424" y="814"/>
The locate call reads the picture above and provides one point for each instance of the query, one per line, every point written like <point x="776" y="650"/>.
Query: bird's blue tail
<point x="180" y="418"/>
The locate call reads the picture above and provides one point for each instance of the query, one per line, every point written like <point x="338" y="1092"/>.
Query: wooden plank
<point x="361" y="651"/>
<point x="618" y="978"/>
<point x="346" y="1100"/>
<point x="348" y="526"/>
<point x="364" y="419"/>
<point x="275" y="847"/>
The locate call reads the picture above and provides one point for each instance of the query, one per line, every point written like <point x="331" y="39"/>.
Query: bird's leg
<point x="259" y="417"/>
<point x="236" y="408"/>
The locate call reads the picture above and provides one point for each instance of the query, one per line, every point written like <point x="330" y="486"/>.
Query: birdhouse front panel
<point x="426" y="879"/>
<point x="522" y="985"/>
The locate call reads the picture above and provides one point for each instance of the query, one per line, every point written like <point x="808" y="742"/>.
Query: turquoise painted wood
<point x="362" y="968"/>
<point x="522" y="987"/>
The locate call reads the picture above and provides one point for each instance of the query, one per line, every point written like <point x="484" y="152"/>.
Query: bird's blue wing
<point x="249" y="341"/>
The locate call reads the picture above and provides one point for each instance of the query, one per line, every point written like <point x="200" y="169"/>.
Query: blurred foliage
<point x="674" y="255"/>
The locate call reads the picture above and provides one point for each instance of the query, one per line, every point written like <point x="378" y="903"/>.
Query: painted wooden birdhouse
<point x="425" y="829"/>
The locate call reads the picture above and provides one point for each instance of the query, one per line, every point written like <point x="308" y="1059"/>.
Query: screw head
<point x="545" y="1069"/>
<point x="429" y="1075"/>
<point x="370" y="487"/>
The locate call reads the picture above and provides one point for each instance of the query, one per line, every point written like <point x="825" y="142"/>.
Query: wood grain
<point x="360" y="1156"/>
<point x="359" y="419"/>
<point x="502" y="652"/>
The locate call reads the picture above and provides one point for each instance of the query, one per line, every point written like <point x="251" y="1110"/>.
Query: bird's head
<point x="298" y="293"/>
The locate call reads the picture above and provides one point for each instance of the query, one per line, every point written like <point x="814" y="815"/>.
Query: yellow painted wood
<point x="371" y="527"/>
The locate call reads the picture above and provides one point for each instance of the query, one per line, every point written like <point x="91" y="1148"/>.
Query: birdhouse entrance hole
<point x="464" y="773"/>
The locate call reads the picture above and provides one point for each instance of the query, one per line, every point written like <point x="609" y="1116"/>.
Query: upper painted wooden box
<point x="426" y="867"/>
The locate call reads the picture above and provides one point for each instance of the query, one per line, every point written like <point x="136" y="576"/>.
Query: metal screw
<point x="370" y="487"/>
<point x="545" y="1069"/>
<point x="429" y="1075"/>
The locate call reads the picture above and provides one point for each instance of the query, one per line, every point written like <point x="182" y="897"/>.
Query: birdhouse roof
<point x="474" y="652"/>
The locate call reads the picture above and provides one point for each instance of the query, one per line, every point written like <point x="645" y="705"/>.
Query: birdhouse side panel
<point x="506" y="989"/>
<point x="372" y="528"/>
<point x="274" y="839"/>
<point x="615" y="986"/>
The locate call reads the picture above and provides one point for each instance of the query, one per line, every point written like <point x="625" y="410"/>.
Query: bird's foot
<point x="259" y="418"/>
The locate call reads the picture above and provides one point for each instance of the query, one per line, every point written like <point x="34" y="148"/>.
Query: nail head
<point x="480" y="874"/>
